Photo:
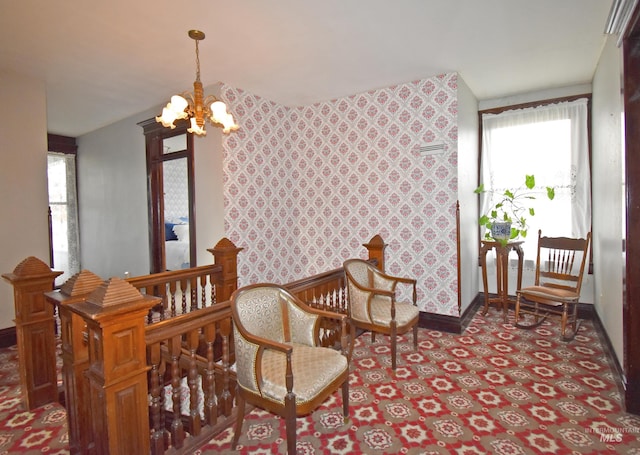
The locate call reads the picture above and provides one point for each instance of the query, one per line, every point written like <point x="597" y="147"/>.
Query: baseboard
<point x="451" y="324"/>
<point x="8" y="337"/>
<point x="454" y="324"/>
<point x="611" y="354"/>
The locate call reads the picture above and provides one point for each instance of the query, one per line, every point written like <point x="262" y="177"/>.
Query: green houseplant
<point x="507" y="218"/>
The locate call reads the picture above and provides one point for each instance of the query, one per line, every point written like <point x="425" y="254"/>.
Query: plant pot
<point x="501" y="231"/>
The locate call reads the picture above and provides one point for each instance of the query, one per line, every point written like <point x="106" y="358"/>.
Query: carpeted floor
<point x="495" y="389"/>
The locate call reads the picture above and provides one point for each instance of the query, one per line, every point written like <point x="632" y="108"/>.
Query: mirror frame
<point x="155" y="134"/>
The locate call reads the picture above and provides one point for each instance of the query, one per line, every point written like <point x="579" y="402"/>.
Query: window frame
<point x="533" y="104"/>
<point x="64" y="145"/>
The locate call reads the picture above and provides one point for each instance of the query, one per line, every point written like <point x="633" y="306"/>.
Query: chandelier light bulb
<point x="195" y="106"/>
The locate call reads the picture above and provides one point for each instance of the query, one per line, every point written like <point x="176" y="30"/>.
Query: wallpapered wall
<point x="305" y="187"/>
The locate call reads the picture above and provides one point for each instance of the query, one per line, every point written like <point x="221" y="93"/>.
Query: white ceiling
<point x="102" y="62"/>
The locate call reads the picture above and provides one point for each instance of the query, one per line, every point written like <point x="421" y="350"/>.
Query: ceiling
<point x="102" y="62"/>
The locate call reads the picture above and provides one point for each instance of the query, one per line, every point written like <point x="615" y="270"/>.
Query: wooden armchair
<point x="560" y="265"/>
<point x="280" y="365"/>
<point x="372" y="303"/>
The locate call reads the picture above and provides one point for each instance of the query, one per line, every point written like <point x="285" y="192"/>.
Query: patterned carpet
<point x="43" y="430"/>
<point x="495" y="389"/>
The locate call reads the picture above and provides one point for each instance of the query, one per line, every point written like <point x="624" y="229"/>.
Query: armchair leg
<point x="393" y="346"/>
<point x="352" y="341"/>
<point x="415" y="337"/>
<point x="290" y="423"/>
<point x="345" y="400"/>
<point x="239" y="419"/>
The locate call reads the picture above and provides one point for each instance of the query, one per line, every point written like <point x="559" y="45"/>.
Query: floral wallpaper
<point x="305" y="187"/>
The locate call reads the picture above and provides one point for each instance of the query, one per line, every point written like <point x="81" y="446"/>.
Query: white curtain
<point x="61" y="173"/>
<point x="550" y="142"/>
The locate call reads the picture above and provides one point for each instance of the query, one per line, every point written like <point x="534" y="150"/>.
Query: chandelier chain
<point x="197" y="62"/>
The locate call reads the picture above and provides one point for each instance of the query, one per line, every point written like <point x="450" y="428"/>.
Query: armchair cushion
<point x="381" y="312"/>
<point x="314" y="368"/>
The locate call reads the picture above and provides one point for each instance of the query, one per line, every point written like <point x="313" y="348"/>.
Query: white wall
<point x="23" y="179"/>
<point x="607" y="178"/>
<point x="467" y="182"/>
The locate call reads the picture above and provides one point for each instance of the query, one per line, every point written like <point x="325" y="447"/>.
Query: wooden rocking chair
<point x="560" y="265"/>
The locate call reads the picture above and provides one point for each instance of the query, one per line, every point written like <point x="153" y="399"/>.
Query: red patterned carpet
<point x="43" y="430"/>
<point x="495" y="389"/>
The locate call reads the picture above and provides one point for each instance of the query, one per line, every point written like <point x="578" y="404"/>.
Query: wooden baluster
<point x="193" y="288"/>
<point x="157" y="430"/>
<point x="214" y="297"/>
<point x="177" y="429"/>
<point x="226" y="401"/>
<point x="195" y="424"/>
<point x="183" y="288"/>
<point x="172" y="291"/>
<point x="209" y="383"/>
<point x="203" y="291"/>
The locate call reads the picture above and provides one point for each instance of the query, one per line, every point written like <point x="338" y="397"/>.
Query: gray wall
<point x="112" y="187"/>
<point x="112" y="200"/>
<point x="607" y="195"/>
<point x="467" y="179"/>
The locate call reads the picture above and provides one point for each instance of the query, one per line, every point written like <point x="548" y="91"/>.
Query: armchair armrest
<point x="382" y="292"/>
<point x="398" y="279"/>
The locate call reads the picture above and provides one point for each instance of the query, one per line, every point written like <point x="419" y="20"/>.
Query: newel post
<point x="35" y="331"/>
<point x="115" y="317"/>
<point x="376" y="248"/>
<point x="75" y="358"/>
<point x="226" y="255"/>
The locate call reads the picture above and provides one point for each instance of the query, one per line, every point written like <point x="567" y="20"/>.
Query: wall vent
<point x="433" y="148"/>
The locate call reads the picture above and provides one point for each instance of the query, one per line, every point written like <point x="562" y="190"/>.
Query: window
<point x="61" y="174"/>
<point x="550" y="142"/>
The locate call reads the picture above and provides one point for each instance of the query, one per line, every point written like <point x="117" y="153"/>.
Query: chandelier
<point x="195" y="106"/>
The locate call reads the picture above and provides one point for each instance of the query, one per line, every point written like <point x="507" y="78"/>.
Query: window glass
<point x="549" y="142"/>
<point x="61" y="175"/>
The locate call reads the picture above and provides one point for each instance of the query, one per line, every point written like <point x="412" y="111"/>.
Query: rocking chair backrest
<point x="561" y="262"/>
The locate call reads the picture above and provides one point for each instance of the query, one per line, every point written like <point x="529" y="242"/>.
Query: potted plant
<point x="507" y="218"/>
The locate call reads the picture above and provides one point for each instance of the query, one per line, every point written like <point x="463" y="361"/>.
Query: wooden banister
<point x="115" y="317"/>
<point x="75" y="358"/>
<point x="117" y="366"/>
<point x="376" y="248"/>
<point x="35" y="331"/>
<point x="226" y="255"/>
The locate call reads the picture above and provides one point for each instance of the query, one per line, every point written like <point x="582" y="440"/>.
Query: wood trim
<point x="61" y="144"/>
<point x="154" y="134"/>
<point x="499" y="110"/>
<point x="450" y="324"/>
<point x="8" y="337"/>
<point x="606" y="341"/>
<point x="511" y="107"/>
<point x="631" y="294"/>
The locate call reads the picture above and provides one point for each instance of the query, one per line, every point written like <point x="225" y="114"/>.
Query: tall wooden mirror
<point x="171" y="196"/>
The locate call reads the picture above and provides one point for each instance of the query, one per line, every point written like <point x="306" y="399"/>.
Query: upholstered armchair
<point x="280" y="364"/>
<point x="372" y="303"/>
